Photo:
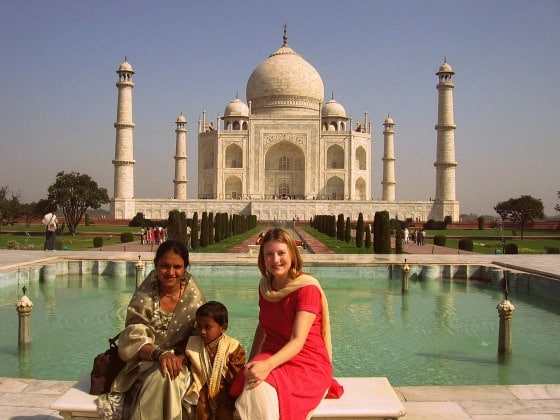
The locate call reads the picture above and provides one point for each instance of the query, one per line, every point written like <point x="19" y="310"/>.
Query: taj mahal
<point x="285" y="153"/>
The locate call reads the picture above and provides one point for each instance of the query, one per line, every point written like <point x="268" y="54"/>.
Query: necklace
<point x="174" y="296"/>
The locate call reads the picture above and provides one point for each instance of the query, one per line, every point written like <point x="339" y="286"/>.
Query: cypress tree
<point x="194" y="231"/>
<point x="385" y="230"/>
<point x="377" y="233"/>
<point x="360" y="231"/>
<point x="211" y="227"/>
<point x="204" y="230"/>
<point x="368" y="237"/>
<point x="399" y="237"/>
<point x="348" y="231"/>
<point x="340" y="227"/>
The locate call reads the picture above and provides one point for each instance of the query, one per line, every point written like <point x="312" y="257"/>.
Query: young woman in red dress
<point x="290" y="369"/>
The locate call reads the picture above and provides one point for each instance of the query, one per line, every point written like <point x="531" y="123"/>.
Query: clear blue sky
<point x="58" y="96"/>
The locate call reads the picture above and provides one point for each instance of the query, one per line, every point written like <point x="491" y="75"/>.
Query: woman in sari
<point x="160" y="319"/>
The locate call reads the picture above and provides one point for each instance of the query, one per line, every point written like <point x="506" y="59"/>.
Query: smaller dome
<point x="181" y="119"/>
<point x="236" y="108"/>
<point x="389" y="121"/>
<point x="445" y="68"/>
<point x="125" y="66"/>
<point x="333" y="109"/>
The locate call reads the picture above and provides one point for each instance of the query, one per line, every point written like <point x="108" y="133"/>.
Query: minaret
<point x="124" y="153"/>
<point x="445" y="160"/>
<point x="180" y="181"/>
<point x="388" y="161"/>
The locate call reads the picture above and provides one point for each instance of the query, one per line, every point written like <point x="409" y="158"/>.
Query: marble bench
<point x="364" y="398"/>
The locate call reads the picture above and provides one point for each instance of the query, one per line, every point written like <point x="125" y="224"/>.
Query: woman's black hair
<point x="215" y="310"/>
<point x="176" y="247"/>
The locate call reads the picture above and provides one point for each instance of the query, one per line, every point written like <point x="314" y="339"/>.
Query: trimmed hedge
<point x="440" y="240"/>
<point x="98" y="242"/>
<point x="511" y="248"/>
<point x="127" y="237"/>
<point x="552" y="249"/>
<point x="466" y="244"/>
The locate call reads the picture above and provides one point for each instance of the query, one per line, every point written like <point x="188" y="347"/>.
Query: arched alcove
<point x="284" y="166"/>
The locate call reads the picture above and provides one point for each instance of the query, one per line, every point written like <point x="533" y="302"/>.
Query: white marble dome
<point x="125" y="66"/>
<point x="445" y="68"/>
<point x="285" y="80"/>
<point x="236" y="108"/>
<point x="333" y="109"/>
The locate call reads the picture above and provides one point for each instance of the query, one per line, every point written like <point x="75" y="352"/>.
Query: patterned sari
<point x="140" y="390"/>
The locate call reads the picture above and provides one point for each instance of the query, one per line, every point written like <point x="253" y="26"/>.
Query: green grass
<point x="486" y="233"/>
<point x="228" y="243"/>
<point x="485" y="241"/>
<point x="82" y="241"/>
<point x="340" y="247"/>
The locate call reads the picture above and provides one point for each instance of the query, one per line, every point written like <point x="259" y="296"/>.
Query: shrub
<point x="127" y="237"/>
<point x="552" y="249"/>
<point x="466" y="244"/>
<point x="480" y="221"/>
<point x="440" y="240"/>
<point x="98" y="242"/>
<point x="139" y="221"/>
<point x="511" y="248"/>
<point x="12" y="245"/>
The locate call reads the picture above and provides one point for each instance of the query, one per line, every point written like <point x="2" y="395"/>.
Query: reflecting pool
<point x="442" y="332"/>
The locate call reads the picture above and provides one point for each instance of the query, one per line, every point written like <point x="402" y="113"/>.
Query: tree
<point x="10" y="207"/>
<point x="360" y="230"/>
<point x="557" y="206"/>
<point x="522" y="210"/>
<point x="348" y="231"/>
<point x="74" y="193"/>
<point x="29" y="211"/>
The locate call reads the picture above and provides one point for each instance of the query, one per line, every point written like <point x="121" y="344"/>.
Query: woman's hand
<point x="256" y="372"/>
<point x="171" y="364"/>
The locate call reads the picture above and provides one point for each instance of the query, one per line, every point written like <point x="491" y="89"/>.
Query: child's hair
<point x="215" y="310"/>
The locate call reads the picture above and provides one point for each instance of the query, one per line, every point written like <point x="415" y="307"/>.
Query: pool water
<point x="442" y="332"/>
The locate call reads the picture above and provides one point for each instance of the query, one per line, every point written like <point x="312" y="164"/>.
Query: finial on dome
<point x="332" y="95"/>
<point x="125" y="58"/>
<point x="285" y="37"/>
<point x="237" y="94"/>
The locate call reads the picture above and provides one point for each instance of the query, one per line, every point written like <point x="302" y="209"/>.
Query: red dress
<point x="301" y="382"/>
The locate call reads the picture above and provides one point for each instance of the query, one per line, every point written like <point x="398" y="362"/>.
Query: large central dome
<point x="285" y="80"/>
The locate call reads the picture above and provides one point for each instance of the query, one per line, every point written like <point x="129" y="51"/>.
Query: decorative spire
<point x="332" y="95"/>
<point x="285" y="37"/>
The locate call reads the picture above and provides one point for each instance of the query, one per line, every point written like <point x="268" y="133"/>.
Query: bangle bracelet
<point x="155" y="353"/>
<point x="164" y="353"/>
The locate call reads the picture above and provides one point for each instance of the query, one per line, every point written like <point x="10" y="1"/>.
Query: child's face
<point x="209" y="329"/>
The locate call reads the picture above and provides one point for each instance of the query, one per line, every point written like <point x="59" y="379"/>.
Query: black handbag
<point x="106" y="367"/>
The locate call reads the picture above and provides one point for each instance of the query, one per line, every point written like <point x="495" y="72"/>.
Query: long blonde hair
<point x="282" y="236"/>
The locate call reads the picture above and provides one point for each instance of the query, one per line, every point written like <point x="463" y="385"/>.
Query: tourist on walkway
<point x="290" y="368"/>
<point x="160" y="319"/>
<point x="51" y="222"/>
